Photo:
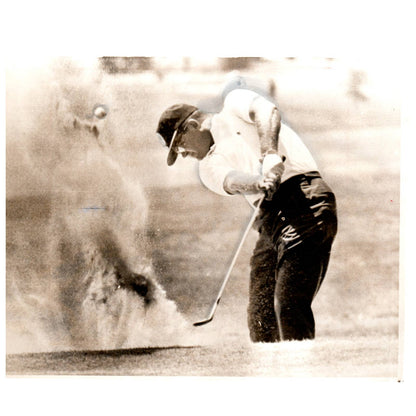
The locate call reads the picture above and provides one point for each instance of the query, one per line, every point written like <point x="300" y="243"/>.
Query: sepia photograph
<point x="188" y="216"/>
<point x="207" y="208"/>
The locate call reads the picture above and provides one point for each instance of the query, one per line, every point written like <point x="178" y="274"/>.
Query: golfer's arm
<point x="241" y="183"/>
<point x="267" y="119"/>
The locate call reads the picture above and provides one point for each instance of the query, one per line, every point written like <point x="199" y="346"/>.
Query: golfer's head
<point x="180" y="130"/>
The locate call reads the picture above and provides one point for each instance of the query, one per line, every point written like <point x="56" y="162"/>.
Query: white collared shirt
<point x="237" y="146"/>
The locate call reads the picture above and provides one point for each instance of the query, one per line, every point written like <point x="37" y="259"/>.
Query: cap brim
<point x="172" y="155"/>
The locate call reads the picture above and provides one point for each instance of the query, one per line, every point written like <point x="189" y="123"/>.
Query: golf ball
<point x="100" y="111"/>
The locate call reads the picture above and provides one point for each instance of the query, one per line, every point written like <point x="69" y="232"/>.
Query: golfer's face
<point x="193" y="142"/>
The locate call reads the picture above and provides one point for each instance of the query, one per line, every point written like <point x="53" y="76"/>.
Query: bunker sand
<point x="338" y="357"/>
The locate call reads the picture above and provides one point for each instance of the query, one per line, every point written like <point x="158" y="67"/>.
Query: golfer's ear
<point x="193" y="124"/>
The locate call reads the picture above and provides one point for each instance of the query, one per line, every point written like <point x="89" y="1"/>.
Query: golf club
<point x="227" y="276"/>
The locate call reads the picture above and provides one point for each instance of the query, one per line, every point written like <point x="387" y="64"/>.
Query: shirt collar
<point x="211" y="150"/>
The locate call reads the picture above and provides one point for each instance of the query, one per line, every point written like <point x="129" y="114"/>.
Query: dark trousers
<point x="289" y="262"/>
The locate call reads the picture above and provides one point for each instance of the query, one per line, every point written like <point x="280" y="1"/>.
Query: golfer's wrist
<point x="270" y="161"/>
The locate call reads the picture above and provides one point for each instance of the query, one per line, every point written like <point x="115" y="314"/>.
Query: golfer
<point x="246" y="149"/>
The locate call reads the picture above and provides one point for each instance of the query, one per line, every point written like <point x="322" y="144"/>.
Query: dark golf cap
<point x="170" y="121"/>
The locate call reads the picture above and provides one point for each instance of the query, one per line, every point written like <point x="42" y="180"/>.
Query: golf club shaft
<point x="227" y="276"/>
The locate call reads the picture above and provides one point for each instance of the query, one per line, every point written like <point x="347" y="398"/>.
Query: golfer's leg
<point x="299" y="277"/>
<point x="261" y="316"/>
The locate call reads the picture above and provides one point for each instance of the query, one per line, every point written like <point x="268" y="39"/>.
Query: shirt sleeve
<point x="212" y="172"/>
<point x="238" y="102"/>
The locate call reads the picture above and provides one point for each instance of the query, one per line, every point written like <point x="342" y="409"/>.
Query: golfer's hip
<point x="303" y="205"/>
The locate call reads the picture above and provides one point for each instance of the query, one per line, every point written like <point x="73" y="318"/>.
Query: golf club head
<point x="205" y="321"/>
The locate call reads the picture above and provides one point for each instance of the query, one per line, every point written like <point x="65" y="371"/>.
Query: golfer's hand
<point x="269" y="184"/>
<point x="272" y="170"/>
